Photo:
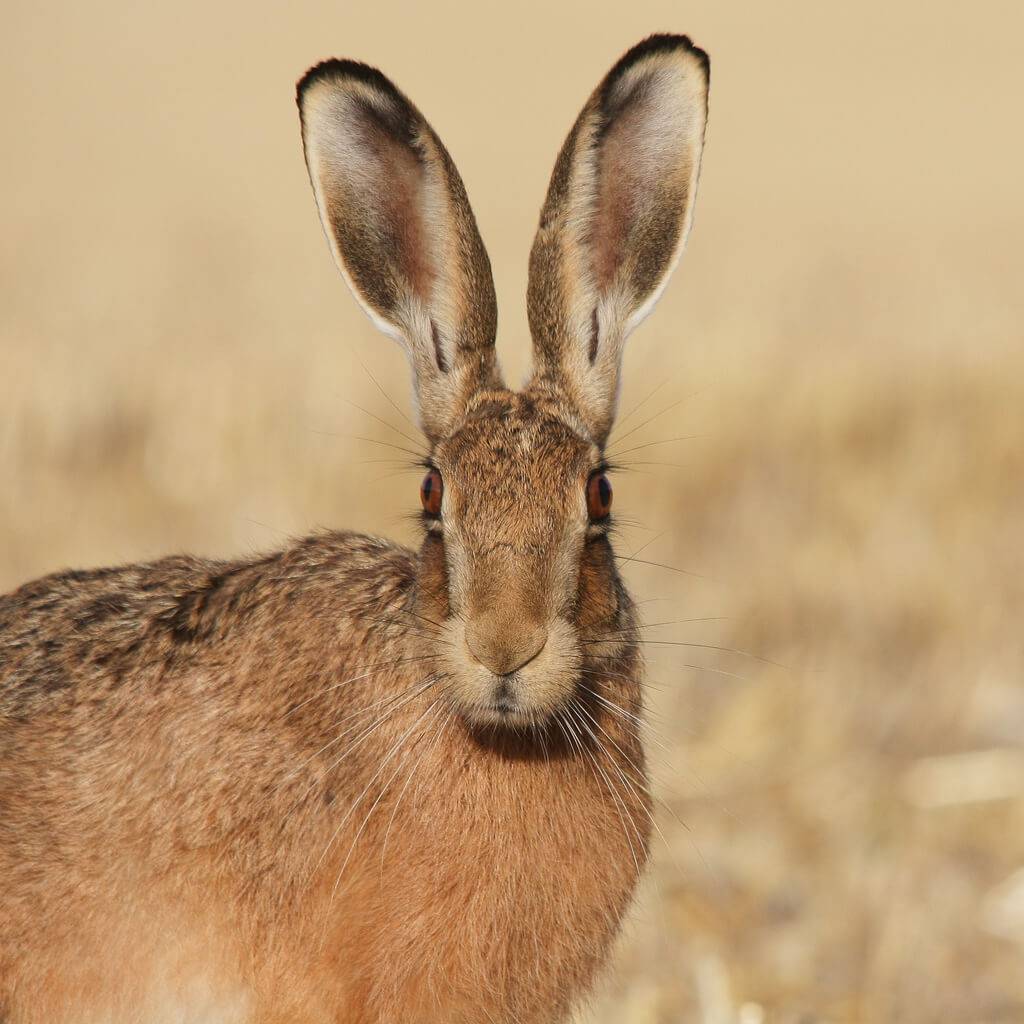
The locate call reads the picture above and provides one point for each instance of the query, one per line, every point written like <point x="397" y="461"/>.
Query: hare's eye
<point x="599" y="496"/>
<point x="430" y="493"/>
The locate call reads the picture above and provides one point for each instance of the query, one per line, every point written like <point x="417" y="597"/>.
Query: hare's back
<point x="71" y="636"/>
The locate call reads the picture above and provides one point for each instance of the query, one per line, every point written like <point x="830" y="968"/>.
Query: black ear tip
<point x="660" y="42"/>
<point x="336" y="70"/>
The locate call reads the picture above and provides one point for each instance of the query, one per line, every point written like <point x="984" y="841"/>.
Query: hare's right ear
<point x="615" y="220"/>
<point x="402" y="232"/>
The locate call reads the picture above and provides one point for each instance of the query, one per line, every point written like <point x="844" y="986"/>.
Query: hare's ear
<point x="398" y="221"/>
<point x="615" y="220"/>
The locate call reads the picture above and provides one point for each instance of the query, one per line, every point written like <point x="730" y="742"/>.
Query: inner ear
<point x="620" y="180"/>
<point x="402" y="222"/>
<point x="644" y="129"/>
<point x="391" y="139"/>
<point x="379" y="223"/>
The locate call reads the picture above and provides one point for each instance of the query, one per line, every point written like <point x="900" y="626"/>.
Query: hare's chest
<point x="477" y="892"/>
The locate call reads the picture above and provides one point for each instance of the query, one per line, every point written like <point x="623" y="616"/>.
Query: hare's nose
<point x="503" y="644"/>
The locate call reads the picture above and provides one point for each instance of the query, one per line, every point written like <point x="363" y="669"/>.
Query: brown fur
<point x="344" y="782"/>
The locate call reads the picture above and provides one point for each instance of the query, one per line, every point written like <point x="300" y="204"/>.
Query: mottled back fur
<point x="347" y="781"/>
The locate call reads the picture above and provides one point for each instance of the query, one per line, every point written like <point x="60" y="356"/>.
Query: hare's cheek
<point x="549" y="681"/>
<point x="432" y="581"/>
<point x="598" y="599"/>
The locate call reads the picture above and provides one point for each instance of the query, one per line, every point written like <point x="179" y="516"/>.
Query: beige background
<point x="178" y="357"/>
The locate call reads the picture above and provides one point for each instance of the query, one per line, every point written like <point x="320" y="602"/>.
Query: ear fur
<point x="399" y="223"/>
<point x="616" y="217"/>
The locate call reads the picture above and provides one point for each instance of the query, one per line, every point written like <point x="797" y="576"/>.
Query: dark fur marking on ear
<point x="350" y="69"/>
<point x="659" y="43"/>
<point x="594" y="331"/>
<point x="435" y="334"/>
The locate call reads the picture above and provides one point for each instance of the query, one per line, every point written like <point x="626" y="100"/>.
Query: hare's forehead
<point x="508" y="447"/>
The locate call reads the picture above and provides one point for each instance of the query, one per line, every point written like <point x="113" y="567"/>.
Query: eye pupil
<point x="431" y="492"/>
<point x="599" y="497"/>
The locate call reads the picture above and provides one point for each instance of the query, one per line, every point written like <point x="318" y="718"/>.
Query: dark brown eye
<point x="430" y="493"/>
<point x="599" y="497"/>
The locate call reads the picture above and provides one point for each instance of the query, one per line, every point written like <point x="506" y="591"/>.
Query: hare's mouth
<point x="505" y="710"/>
<point x="509" y="704"/>
<point x="527" y="696"/>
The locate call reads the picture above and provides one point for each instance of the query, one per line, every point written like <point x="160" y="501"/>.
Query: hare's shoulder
<point x="76" y="627"/>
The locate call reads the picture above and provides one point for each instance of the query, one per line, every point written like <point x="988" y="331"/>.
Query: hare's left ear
<point x="396" y="214"/>
<point x="615" y="220"/>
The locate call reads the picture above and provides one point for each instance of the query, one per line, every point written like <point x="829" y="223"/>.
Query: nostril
<point x="533" y="646"/>
<point x="503" y="650"/>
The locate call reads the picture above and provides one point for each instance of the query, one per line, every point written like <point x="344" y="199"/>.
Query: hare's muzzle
<point x="502" y="643"/>
<point x="504" y="669"/>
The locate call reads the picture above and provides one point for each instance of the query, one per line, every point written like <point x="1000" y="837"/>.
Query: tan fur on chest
<point x="495" y="896"/>
<point x="501" y="892"/>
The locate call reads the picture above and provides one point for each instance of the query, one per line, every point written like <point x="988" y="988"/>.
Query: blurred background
<point x="840" y="755"/>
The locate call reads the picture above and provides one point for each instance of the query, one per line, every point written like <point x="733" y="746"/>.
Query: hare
<point x="347" y="781"/>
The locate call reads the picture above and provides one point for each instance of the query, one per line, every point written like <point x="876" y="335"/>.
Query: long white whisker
<point x="391" y="753"/>
<point x="354" y="679"/>
<point x="406" y="697"/>
<point x="412" y="771"/>
<point x="619" y="805"/>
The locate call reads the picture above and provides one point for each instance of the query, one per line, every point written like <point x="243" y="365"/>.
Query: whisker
<point x="636" y="408"/>
<point x="618" y="611"/>
<point x="390" y="710"/>
<point x="388" y="398"/>
<point x="657" y="415"/>
<point x="639" y="777"/>
<point x="627" y="716"/>
<point x="629" y="466"/>
<point x="684" y="664"/>
<point x="363" y="675"/>
<point x="616" y="796"/>
<point x="654" y="796"/>
<point x="405" y="463"/>
<point x="409" y="611"/>
<point x="658" y="565"/>
<point x="387" y="713"/>
<point x="391" y="476"/>
<point x="651" y="444"/>
<point x="412" y="771"/>
<point x="647" y="543"/>
<point x="706" y="647"/>
<point x="447" y="723"/>
<point x="629" y="630"/>
<point x="656" y="738"/>
<point x="419" y="456"/>
<point x="357" y="742"/>
<point x="397" y="745"/>
<point x="379" y="419"/>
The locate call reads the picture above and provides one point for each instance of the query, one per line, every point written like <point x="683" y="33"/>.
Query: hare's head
<point x="517" y="571"/>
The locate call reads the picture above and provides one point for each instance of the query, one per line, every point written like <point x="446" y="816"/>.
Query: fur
<point x="346" y="781"/>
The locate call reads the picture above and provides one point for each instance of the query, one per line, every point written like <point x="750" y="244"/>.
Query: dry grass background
<point x="844" y="831"/>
